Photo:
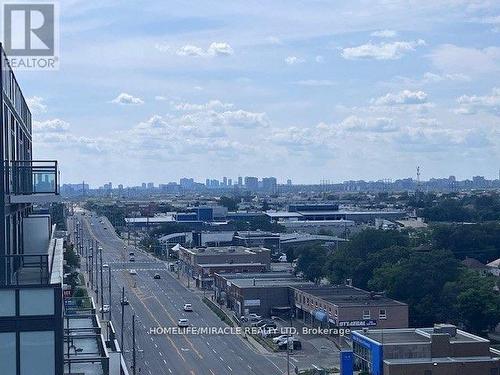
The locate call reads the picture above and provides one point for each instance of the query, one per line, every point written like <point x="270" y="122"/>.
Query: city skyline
<point x="343" y="90"/>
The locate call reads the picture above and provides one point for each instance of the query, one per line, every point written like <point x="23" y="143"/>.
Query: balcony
<point x="32" y="181"/>
<point x="41" y="268"/>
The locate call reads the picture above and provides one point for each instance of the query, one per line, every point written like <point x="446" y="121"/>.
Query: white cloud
<point x="319" y="59"/>
<point x="212" y="104"/>
<point x="50" y="126"/>
<point x="36" y="104"/>
<point x="220" y="49"/>
<point x="433" y="77"/>
<point x="163" y="47"/>
<point x="215" y="49"/>
<point x="244" y="119"/>
<point x="376" y="125"/>
<point x="294" y="60"/>
<point x="401" y="98"/>
<point x="190" y="50"/>
<point x="160" y="98"/>
<point x="315" y="82"/>
<point x="384" y="33"/>
<point x="381" y="51"/>
<point x="453" y="59"/>
<point x="274" y="40"/>
<point x="474" y="104"/>
<point x="127" y="99"/>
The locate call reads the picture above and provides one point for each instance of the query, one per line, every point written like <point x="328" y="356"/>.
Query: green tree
<point x="418" y="280"/>
<point x="311" y="262"/>
<point x="473" y="301"/>
<point x="230" y="203"/>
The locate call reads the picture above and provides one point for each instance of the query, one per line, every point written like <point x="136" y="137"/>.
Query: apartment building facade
<point x="31" y="257"/>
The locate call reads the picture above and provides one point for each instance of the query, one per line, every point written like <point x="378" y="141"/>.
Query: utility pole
<point x="109" y="291"/>
<point x="102" y="288"/>
<point x="123" y="312"/>
<point x="133" y="344"/>
<point x="91" y="275"/>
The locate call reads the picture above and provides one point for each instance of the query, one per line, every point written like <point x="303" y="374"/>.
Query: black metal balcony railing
<point x="25" y="269"/>
<point x="32" y="177"/>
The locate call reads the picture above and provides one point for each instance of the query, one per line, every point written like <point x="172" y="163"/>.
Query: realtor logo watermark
<point x="31" y="35"/>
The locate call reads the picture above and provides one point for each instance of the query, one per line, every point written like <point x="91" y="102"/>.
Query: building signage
<point x="358" y="323"/>
<point x="252" y="302"/>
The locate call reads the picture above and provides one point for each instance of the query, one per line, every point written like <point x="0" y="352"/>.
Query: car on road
<point x="183" y="323"/>
<point x="105" y="265"/>
<point x="104" y="308"/>
<point x="131" y="259"/>
<point x="188" y="307"/>
<point x="125" y="302"/>
<point x="280" y="338"/>
<point x="157" y="276"/>
<point x="131" y="254"/>
<point x="132" y="272"/>
<point x="105" y="227"/>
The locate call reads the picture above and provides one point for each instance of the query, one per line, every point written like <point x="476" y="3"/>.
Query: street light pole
<point x="109" y="291"/>
<point x="133" y="344"/>
<point x="123" y="313"/>
<point x="102" y="289"/>
<point x="96" y="272"/>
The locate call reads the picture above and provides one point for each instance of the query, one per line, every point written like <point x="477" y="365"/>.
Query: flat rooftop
<point x="343" y="295"/>
<point x="224" y="250"/>
<point x="413" y="336"/>
<point x="268" y="279"/>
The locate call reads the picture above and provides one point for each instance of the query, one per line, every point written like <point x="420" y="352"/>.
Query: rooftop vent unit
<point x="450" y="329"/>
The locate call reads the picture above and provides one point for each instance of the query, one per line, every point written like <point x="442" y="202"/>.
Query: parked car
<point x="125" y="302"/>
<point x="297" y="345"/>
<point x="264" y="322"/>
<point x="131" y="259"/>
<point x="280" y="338"/>
<point x="157" y="276"/>
<point x="183" y="323"/>
<point x="132" y="272"/>
<point x="104" y="308"/>
<point x="188" y="307"/>
<point x="251" y="318"/>
<point x="270" y="332"/>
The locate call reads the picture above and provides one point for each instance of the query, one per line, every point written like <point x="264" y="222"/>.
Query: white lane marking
<point x="230" y="369"/>
<point x="221" y="359"/>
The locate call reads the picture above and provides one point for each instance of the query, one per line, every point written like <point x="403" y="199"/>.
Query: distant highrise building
<point x="230" y="182"/>
<point x="120" y="187"/>
<point x="224" y="181"/>
<point x="207" y="182"/>
<point x="144" y="185"/>
<point x="187" y="183"/>
<point x="269" y="184"/>
<point x="151" y="185"/>
<point x="289" y="182"/>
<point x="252" y="183"/>
<point x="240" y="181"/>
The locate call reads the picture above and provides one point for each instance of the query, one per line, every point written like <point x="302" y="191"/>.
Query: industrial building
<point x="439" y="350"/>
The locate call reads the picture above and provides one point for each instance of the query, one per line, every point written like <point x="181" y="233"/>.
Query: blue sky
<point x="307" y="90"/>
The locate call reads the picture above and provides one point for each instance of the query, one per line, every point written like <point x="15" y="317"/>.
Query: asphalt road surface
<point x="159" y="303"/>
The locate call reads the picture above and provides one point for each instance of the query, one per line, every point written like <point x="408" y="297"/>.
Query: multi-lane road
<point x="159" y="303"/>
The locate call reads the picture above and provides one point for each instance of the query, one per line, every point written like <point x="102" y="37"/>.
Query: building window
<point x="366" y="314"/>
<point x="382" y="314"/>
<point x="428" y="372"/>
<point x="8" y="353"/>
<point x="7" y="303"/>
<point x="37" y="352"/>
<point x="36" y="301"/>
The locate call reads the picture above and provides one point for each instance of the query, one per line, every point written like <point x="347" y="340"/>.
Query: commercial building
<point x="31" y="255"/>
<point x="263" y="294"/>
<point x="202" y="263"/>
<point x="330" y="212"/>
<point x="348" y="307"/>
<point x="339" y="306"/>
<point x="439" y="350"/>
